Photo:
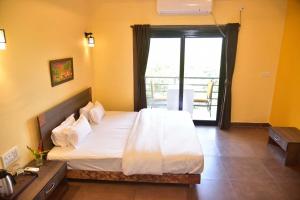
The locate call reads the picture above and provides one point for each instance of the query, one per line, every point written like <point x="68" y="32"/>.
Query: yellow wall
<point x="37" y="31"/>
<point x="286" y="108"/>
<point x="258" y="50"/>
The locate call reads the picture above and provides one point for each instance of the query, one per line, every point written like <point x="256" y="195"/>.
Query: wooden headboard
<point x="50" y="119"/>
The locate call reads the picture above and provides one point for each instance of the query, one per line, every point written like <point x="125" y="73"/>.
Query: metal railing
<point x="157" y="88"/>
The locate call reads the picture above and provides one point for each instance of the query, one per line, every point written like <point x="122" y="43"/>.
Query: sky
<point x="202" y="57"/>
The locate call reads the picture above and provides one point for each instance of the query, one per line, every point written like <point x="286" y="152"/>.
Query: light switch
<point x="265" y="74"/>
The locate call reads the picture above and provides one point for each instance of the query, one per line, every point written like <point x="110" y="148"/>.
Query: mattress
<point x="103" y="149"/>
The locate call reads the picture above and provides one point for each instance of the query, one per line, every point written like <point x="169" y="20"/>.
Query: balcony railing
<point x="157" y="89"/>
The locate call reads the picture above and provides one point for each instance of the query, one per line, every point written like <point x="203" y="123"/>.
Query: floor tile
<point x="100" y="190"/>
<point x="253" y="190"/>
<point x="161" y="192"/>
<point x="209" y="148"/>
<point x="291" y="189"/>
<point x="267" y="151"/>
<point x="213" y="168"/>
<point x="280" y="172"/>
<point x="235" y="149"/>
<point x="245" y="169"/>
<point x="214" y="189"/>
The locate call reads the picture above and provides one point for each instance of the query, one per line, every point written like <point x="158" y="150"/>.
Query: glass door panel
<point x="162" y="74"/>
<point x="201" y="77"/>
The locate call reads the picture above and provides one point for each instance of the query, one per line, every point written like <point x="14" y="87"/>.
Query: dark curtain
<point x="141" y="45"/>
<point x="231" y="40"/>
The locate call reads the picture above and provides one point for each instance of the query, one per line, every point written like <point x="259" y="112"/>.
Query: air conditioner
<point x="184" y="7"/>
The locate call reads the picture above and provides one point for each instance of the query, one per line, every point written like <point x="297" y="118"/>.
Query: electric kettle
<point x="6" y="183"/>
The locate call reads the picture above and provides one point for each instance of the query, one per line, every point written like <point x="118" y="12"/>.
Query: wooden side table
<point x="51" y="175"/>
<point x="288" y="138"/>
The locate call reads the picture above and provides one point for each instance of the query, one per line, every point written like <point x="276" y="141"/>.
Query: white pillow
<point x="96" y="113"/>
<point x="86" y="109"/>
<point x="58" y="136"/>
<point x="78" y="131"/>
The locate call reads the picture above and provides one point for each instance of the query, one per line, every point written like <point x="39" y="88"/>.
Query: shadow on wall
<point x="33" y="134"/>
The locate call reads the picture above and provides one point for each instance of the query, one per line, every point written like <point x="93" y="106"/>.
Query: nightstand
<point x="288" y="138"/>
<point x="50" y="178"/>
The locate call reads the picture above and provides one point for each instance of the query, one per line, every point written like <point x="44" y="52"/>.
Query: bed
<point x="108" y="153"/>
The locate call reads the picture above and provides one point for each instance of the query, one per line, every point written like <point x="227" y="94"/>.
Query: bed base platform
<point x="119" y="176"/>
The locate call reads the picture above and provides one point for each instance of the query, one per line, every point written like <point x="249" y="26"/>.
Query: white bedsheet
<point x="103" y="148"/>
<point x="162" y="141"/>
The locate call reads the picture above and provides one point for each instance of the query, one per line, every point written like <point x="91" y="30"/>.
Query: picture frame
<point x="61" y="71"/>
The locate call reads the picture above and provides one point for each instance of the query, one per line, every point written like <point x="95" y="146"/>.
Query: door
<point x="162" y="72"/>
<point x="202" y="63"/>
<point x="183" y="71"/>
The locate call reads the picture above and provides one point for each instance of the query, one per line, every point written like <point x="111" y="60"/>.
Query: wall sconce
<point x="2" y="39"/>
<point x="90" y="39"/>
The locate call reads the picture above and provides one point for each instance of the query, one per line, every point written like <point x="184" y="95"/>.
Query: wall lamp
<point x="90" y="39"/>
<point x="2" y="39"/>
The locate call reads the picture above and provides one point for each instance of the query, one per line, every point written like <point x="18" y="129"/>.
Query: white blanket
<point x="103" y="149"/>
<point x="160" y="142"/>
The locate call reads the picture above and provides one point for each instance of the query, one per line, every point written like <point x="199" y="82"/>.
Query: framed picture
<point x="61" y="71"/>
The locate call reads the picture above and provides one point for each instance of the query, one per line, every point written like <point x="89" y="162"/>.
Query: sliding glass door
<point x="202" y="63"/>
<point x="183" y="72"/>
<point x="163" y="72"/>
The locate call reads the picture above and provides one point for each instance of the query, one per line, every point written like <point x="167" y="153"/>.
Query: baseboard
<point x="249" y="124"/>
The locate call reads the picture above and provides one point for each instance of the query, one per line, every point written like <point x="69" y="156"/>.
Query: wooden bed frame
<point x="50" y="119"/>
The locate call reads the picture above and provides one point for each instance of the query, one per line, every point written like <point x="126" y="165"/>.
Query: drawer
<point x="278" y="139"/>
<point x="52" y="184"/>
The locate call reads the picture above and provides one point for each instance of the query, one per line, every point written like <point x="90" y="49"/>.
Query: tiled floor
<point x="239" y="164"/>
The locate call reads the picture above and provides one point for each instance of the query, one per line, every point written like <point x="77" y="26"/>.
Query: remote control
<point x="32" y="169"/>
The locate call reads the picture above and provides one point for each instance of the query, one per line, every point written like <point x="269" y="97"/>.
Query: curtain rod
<point x="185" y="26"/>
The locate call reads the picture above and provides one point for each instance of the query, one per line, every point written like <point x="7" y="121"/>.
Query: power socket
<point x="10" y="157"/>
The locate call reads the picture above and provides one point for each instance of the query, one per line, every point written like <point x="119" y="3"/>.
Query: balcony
<point x="158" y="94"/>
